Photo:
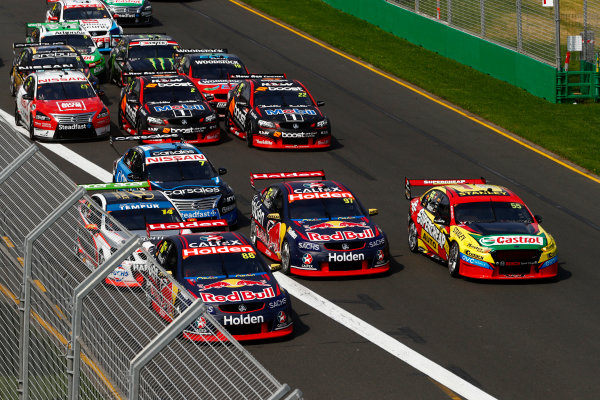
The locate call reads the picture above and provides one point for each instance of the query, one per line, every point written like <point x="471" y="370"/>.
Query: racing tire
<point x="31" y="129"/>
<point x="228" y="123"/>
<point x="412" y="238"/>
<point x="139" y="131"/>
<point x="120" y="118"/>
<point x="285" y="257"/>
<point x="253" y="232"/>
<point x="249" y="134"/>
<point x="17" y="116"/>
<point x="453" y="260"/>
<point x="12" y="90"/>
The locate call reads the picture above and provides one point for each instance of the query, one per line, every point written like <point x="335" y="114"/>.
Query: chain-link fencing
<point x="69" y="334"/>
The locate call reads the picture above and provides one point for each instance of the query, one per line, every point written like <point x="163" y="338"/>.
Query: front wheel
<point x="249" y="134"/>
<point x="31" y="128"/>
<point x="453" y="261"/>
<point x="17" y="116"/>
<point x="412" y="237"/>
<point x="285" y="257"/>
<point x="139" y="131"/>
<point x="253" y="232"/>
<point x="12" y="85"/>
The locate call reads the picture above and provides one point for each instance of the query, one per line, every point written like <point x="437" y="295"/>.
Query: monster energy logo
<point x="161" y="61"/>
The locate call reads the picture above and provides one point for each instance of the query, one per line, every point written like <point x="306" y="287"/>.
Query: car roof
<point x="312" y="186"/>
<point x="469" y="193"/>
<point x="61" y="75"/>
<point x="192" y="240"/>
<point x="172" y="148"/>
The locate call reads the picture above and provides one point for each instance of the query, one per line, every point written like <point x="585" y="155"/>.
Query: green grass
<point x="568" y="130"/>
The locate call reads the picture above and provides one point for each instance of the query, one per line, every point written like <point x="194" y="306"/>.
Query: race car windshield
<point x="230" y="264"/>
<point x="491" y="211"/>
<point x="79" y="41"/>
<point x="65" y="91"/>
<point x="151" y="51"/>
<point x="181" y="171"/>
<point x="325" y="209"/>
<point x="216" y="70"/>
<point x="172" y="94"/>
<point x="138" y="218"/>
<point x="58" y="60"/>
<point x="78" y="13"/>
<point x="282" y="98"/>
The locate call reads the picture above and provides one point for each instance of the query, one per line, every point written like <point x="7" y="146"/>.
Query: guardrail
<point x="67" y="334"/>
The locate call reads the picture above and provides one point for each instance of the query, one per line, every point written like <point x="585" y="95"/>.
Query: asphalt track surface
<point x="521" y="340"/>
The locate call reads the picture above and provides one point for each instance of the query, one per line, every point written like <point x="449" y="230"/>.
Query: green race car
<point x="72" y="34"/>
<point x="130" y="12"/>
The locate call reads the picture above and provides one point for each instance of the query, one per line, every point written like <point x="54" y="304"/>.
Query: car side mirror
<point x="440" y="220"/>
<point x="209" y="97"/>
<point x="222" y="171"/>
<point x="119" y="59"/>
<point x="538" y="218"/>
<point x="53" y="18"/>
<point x="100" y="92"/>
<point x="134" y="177"/>
<point x="134" y="101"/>
<point x="242" y="103"/>
<point x="275" y="216"/>
<point x="320" y="103"/>
<point x="27" y="96"/>
<point x="275" y="267"/>
<point x="373" y="211"/>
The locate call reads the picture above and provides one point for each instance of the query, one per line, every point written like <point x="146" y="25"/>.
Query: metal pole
<point x="557" y="31"/>
<point x="80" y="292"/>
<point x="417" y="6"/>
<point x="519" y="28"/>
<point x="449" y="12"/>
<point x="18" y="162"/>
<point x="482" y="17"/>
<point x="585" y="56"/>
<point x="25" y="296"/>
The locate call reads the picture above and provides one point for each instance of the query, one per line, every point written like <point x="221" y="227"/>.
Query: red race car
<point x="274" y="112"/>
<point x="61" y="105"/>
<point x="481" y="231"/>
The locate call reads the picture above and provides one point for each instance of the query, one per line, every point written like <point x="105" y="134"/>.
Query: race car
<point x="274" y="112"/>
<point x="141" y="52"/>
<point x="316" y="227"/>
<point x="92" y="15"/>
<point x="130" y="12"/>
<point x="61" y="105"/>
<point x="481" y="231"/>
<point x="185" y="175"/>
<point x="210" y="70"/>
<point x="135" y="210"/>
<point x="34" y="57"/>
<point x="166" y="104"/>
<point x="225" y="271"/>
<point x="69" y="33"/>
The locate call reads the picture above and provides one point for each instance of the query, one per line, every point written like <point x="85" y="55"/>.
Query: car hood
<point x="197" y="109"/>
<point x="336" y="230"/>
<point x="190" y="189"/>
<point x="92" y="104"/>
<point x="507" y="235"/>
<point x="289" y="114"/>
<point x="250" y="288"/>
<point x="150" y="64"/>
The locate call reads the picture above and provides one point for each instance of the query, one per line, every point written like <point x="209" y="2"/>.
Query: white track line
<point x="319" y="303"/>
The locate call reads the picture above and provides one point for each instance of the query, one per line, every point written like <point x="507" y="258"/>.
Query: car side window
<point x="278" y="202"/>
<point x="245" y="94"/>
<point x="28" y="85"/>
<point x="127" y="159"/>
<point x="135" y="91"/>
<point x="268" y="198"/>
<point x="432" y="201"/>
<point x="137" y="164"/>
<point x="443" y="208"/>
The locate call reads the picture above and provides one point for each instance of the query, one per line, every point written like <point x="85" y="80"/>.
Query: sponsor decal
<point x="341" y="235"/>
<point x="318" y="187"/>
<point x="218" y="61"/>
<point x="196" y="190"/>
<point x="214" y="242"/>
<point x="460" y="235"/>
<point x="179" y="107"/>
<point x="264" y="141"/>
<point x="344" y="257"/>
<point x="173" y="152"/>
<point x="378" y="242"/>
<point x="430" y="228"/>
<point x="307" y="259"/>
<point x="292" y="233"/>
<point x="309" y="246"/>
<point x="227" y="209"/>
<point x="70" y="105"/>
<point x="232" y="283"/>
<point x="474" y="261"/>
<point x="469" y="253"/>
<point x="380" y="256"/>
<point x="138" y="206"/>
<point x="72" y="127"/>
<point x="278" y="303"/>
<point x="216" y="250"/>
<point x="186" y="225"/>
<point x="549" y="262"/>
<point x="482" y="192"/>
<point x="429" y="240"/>
<point x="335" y="224"/>
<point x="243" y="320"/>
<point x="281" y="317"/>
<point x="511" y="240"/>
<point x="200" y="214"/>
<point x="237" y="296"/>
<point x="164" y="159"/>
<point x="319" y="195"/>
<point x="444" y="182"/>
<point x="297" y="134"/>
<point x="282" y="111"/>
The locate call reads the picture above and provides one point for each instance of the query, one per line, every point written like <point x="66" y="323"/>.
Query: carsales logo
<point x="319" y="195"/>
<point x="511" y="240"/>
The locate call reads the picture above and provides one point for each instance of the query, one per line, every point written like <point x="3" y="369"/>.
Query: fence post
<point x="25" y="296"/>
<point x="482" y="17"/>
<point x="417" y="6"/>
<point x="80" y="292"/>
<point x="449" y="12"/>
<point x="17" y="163"/>
<point x="557" y="32"/>
<point x="519" y="27"/>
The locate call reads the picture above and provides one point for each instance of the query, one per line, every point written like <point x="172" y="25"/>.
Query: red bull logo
<point x="335" y="224"/>
<point x="233" y="283"/>
<point x="237" y="296"/>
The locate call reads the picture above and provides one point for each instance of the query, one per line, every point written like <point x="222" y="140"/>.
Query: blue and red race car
<point x="316" y="227"/>
<point x="225" y="271"/>
<point x="481" y="231"/>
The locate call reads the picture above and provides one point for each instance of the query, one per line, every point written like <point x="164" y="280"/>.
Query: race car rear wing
<point x="257" y="76"/>
<point x="408" y="183"/>
<point x="197" y="226"/>
<point x="149" y="73"/>
<point x="37" y="68"/>
<point x="302" y="175"/>
<point x="116" y="186"/>
<point x="144" y="137"/>
<point x="23" y="45"/>
<point x="194" y="51"/>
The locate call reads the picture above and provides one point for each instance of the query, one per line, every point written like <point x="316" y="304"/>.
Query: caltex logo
<point x="307" y="259"/>
<point x="281" y="317"/>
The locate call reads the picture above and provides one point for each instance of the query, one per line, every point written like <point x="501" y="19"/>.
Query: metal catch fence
<point x="67" y="334"/>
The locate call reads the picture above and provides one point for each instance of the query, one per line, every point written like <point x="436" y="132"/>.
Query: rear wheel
<point x="285" y="257"/>
<point x="253" y="232"/>
<point x="120" y="118"/>
<point x="139" y="131"/>
<point x="12" y="85"/>
<point x="412" y="237"/>
<point x="17" y="116"/>
<point x="249" y="134"/>
<point x="453" y="261"/>
<point x="31" y="128"/>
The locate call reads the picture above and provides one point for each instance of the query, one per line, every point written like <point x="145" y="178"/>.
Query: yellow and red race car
<point x="482" y="231"/>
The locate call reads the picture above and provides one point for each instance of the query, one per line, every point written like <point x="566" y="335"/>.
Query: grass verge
<point x="569" y="130"/>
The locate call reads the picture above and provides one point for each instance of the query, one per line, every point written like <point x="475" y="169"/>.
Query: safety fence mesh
<point x="69" y="332"/>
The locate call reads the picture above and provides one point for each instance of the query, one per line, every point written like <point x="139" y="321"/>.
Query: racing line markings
<point x="414" y="89"/>
<point x="434" y="371"/>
